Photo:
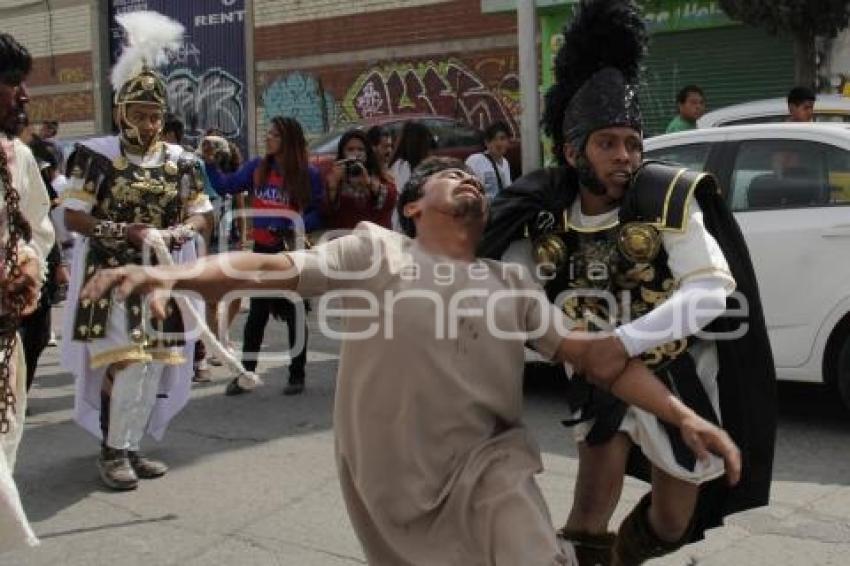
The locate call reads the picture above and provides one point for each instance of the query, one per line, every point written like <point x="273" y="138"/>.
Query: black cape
<point x="746" y="378"/>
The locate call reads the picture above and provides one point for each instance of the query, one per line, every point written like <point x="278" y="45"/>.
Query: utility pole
<point x="250" y="79"/>
<point x="101" y="63"/>
<point x="529" y="84"/>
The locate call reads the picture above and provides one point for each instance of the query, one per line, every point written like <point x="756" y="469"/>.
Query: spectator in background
<point x="691" y="105"/>
<point x="49" y="129"/>
<point x="358" y="187"/>
<point x="415" y="143"/>
<point x="172" y="129"/>
<point x="281" y="182"/>
<point x="35" y="329"/>
<point x="490" y="165"/>
<point x="228" y="159"/>
<point x="801" y="104"/>
<point x="381" y="141"/>
<point x="25" y="130"/>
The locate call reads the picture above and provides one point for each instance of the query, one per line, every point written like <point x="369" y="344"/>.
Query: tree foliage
<point x="802" y="18"/>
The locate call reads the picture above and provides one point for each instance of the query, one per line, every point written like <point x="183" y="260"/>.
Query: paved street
<point x="253" y="482"/>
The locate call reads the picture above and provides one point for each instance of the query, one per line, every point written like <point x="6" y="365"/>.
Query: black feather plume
<point x="604" y="33"/>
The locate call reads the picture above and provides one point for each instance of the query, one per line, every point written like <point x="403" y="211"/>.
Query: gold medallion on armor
<point x="170" y="168"/>
<point x="550" y="253"/>
<point x="639" y="242"/>
<point x="120" y="163"/>
<point x="148" y="83"/>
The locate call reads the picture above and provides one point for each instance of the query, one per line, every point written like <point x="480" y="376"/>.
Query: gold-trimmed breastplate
<point x="148" y="195"/>
<point x="606" y="277"/>
<point x="126" y="192"/>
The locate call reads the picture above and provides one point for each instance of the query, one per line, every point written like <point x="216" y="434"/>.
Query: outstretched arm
<point x="632" y="382"/>
<point x="310" y="273"/>
<point x="212" y="277"/>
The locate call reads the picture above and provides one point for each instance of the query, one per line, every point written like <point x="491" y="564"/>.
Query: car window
<point x="438" y="130"/>
<point x="463" y="136"/>
<point x="692" y="156"/>
<point x="394" y="128"/>
<point x="789" y="174"/>
<point x="326" y="144"/>
<point x="755" y="120"/>
<point x="451" y="134"/>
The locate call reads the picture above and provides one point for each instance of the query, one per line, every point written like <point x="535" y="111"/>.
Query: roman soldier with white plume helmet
<point x="133" y="372"/>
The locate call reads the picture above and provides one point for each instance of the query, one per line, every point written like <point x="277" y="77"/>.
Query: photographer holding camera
<point x="358" y="188"/>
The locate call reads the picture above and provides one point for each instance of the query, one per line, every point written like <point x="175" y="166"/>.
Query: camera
<point x="353" y="167"/>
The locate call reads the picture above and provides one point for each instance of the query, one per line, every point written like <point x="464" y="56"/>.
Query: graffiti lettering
<point x="370" y="102"/>
<point x="72" y="75"/>
<point x="446" y="88"/>
<point x="301" y="96"/>
<point x="187" y="54"/>
<point x="211" y="100"/>
<point x="70" y="107"/>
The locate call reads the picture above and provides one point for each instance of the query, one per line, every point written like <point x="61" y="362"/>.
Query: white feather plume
<point x="147" y="34"/>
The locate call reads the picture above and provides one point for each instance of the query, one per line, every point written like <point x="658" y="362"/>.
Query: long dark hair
<point x="372" y="165"/>
<point x="292" y="160"/>
<point x="414" y="144"/>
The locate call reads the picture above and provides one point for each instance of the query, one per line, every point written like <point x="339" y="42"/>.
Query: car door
<point x="791" y="198"/>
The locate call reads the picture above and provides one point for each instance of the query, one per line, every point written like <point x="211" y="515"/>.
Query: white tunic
<point x="693" y="256"/>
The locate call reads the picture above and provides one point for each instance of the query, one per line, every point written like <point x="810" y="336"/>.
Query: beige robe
<point x="435" y="464"/>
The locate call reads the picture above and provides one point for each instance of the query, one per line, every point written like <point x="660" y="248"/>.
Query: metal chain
<point x="8" y="333"/>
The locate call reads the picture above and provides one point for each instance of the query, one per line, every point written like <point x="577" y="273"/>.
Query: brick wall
<point x="274" y="12"/>
<point x="443" y="21"/>
<point x="60" y="41"/>
<point x="391" y="57"/>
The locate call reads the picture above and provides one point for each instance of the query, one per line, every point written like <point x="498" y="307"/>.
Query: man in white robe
<point x="24" y="207"/>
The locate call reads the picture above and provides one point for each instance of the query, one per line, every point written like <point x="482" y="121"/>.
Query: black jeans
<point x="35" y="334"/>
<point x="258" y="317"/>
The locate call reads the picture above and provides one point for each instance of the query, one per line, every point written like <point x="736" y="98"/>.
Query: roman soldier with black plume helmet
<point x="650" y="253"/>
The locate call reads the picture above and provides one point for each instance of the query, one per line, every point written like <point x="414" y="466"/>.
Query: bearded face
<point x="609" y="159"/>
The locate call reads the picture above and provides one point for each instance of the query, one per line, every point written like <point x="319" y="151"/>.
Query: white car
<point x="828" y="108"/>
<point x="789" y="188"/>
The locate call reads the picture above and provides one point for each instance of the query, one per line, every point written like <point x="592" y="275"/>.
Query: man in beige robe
<point x="435" y="464"/>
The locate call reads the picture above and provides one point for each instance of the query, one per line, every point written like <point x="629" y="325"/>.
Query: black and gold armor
<point x="608" y="276"/>
<point x="122" y="193"/>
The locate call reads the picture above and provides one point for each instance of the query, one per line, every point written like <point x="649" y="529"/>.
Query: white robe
<point x="15" y="530"/>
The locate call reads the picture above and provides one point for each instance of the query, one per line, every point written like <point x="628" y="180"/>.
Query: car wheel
<point x="843" y="372"/>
